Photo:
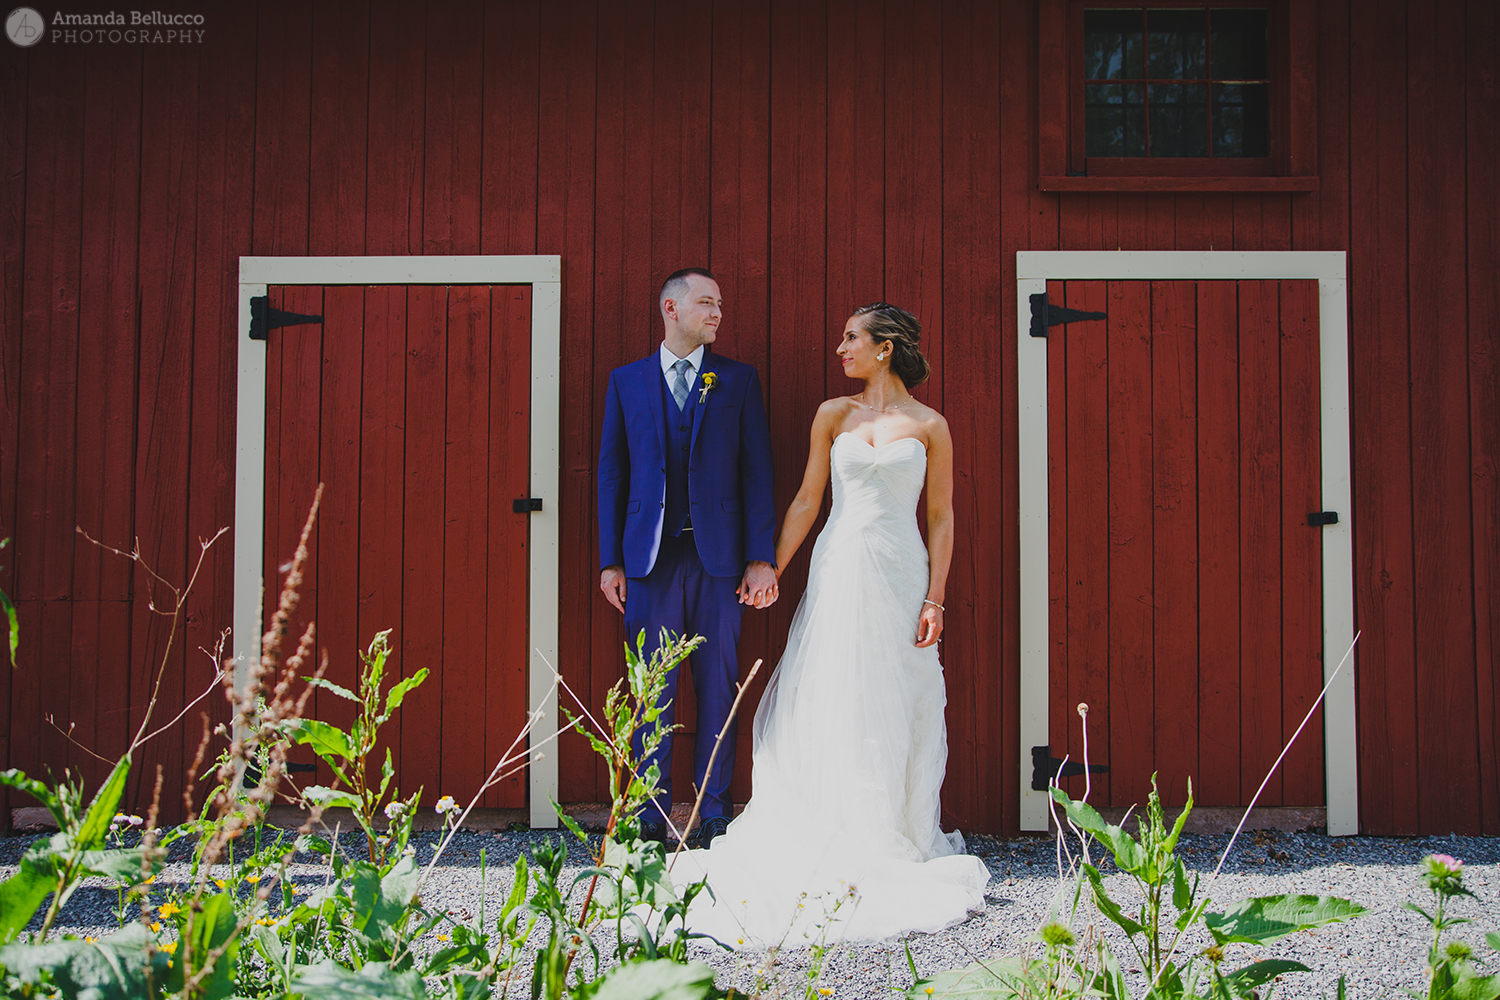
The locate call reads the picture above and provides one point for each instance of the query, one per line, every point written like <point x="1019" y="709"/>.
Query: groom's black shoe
<point x="654" y="832"/>
<point x="709" y="830"/>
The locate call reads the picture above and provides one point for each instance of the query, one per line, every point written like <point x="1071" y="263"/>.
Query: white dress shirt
<point x="695" y="359"/>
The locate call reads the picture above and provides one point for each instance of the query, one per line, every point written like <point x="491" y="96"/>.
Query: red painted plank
<point x="163" y="410"/>
<point x="1062" y="732"/>
<point x="1087" y="443"/>
<point x="107" y="324"/>
<point x="739" y="253"/>
<point x="226" y="161"/>
<point x="1483" y="33"/>
<point x="451" y="150"/>
<point x="913" y="264"/>
<point x="419" y="761"/>
<point x="617" y="259"/>
<point x="394" y="163"/>
<point x="338" y="457"/>
<point x="1174" y="488"/>
<point x="465" y="507"/>
<point x="1260" y="541"/>
<point x="1380" y="414"/>
<point x="1131" y="689"/>
<point x="13" y="117"/>
<point x="1447" y="727"/>
<point x="508" y="653"/>
<point x="1301" y="553"/>
<point x="1006" y="90"/>
<point x="856" y="199"/>
<point x="283" y="128"/>
<point x="382" y="481"/>
<point x="340" y="124"/>
<point x="797" y="334"/>
<point x="1218" y="780"/>
<point x="508" y="199"/>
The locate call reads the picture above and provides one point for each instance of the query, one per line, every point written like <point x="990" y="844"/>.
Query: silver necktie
<point x="679" y="382"/>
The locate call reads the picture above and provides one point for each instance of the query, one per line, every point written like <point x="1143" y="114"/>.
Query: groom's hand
<point x="759" y="588"/>
<point x="612" y="582"/>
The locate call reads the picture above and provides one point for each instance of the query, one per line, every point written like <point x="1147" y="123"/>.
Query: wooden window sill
<point x="1228" y="183"/>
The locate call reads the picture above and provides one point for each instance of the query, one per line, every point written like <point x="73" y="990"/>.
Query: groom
<point x="686" y="519"/>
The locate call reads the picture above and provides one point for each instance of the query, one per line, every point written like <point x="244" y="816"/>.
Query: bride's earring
<point x="880" y="356"/>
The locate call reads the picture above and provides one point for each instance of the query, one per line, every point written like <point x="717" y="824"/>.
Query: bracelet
<point x="934" y="604"/>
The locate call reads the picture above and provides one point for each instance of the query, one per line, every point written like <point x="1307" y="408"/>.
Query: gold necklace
<point x="887" y="409"/>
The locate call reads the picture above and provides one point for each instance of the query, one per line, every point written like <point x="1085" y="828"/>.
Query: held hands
<point x="929" y="625"/>
<point x="759" y="588"/>
<point x="612" y="582"/>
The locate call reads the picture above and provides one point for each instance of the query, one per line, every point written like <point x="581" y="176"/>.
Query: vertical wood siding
<point x="816" y="156"/>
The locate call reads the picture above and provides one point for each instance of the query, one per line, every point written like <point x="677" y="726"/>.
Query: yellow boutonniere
<point x="710" y="379"/>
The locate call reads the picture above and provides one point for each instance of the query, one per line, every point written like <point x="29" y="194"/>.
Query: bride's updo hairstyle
<point x="883" y="321"/>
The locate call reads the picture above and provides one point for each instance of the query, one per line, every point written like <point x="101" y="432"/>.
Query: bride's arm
<point x="805" y="505"/>
<point x="939" y="530"/>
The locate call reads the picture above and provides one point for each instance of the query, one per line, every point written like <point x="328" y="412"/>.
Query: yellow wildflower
<point x="150" y="880"/>
<point x="930" y="991"/>
<point x="91" y="940"/>
<point x="826" y="991"/>
<point x="442" y="937"/>
<point x="219" y="882"/>
<point x="170" y="947"/>
<point x="167" y="909"/>
<point x="156" y="927"/>
<point x="253" y="877"/>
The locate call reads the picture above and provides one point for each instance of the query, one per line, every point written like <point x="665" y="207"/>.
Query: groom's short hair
<point x="676" y="284"/>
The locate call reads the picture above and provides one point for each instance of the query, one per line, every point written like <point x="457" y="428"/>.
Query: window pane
<point x="1114" y="119"/>
<point x="1175" y="45"/>
<point x="1112" y="45"/>
<point x="1242" y="119"/>
<point x="1239" y="44"/>
<point x="1179" y="119"/>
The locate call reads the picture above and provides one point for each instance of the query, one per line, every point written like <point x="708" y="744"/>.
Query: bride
<point x="841" y="834"/>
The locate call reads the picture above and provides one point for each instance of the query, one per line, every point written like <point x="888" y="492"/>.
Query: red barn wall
<point x="815" y="156"/>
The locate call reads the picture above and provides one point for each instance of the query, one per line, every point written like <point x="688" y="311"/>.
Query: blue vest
<point x="679" y="441"/>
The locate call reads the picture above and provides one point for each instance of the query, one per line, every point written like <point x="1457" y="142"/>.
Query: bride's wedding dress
<point x="849" y="742"/>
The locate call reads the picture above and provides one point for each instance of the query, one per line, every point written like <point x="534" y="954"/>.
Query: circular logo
<point x="25" y="26"/>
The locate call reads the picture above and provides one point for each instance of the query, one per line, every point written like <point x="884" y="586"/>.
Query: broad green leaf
<point x="996" y="979"/>
<point x="113" y="968"/>
<point x="1493" y="939"/>
<point x="1110" y="981"/>
<point x="268" y="943"/>
<point x="23" y="893"/>
<point x="329" y="742"/>
<point x="328" y="685"/>
<point x="124" y="866"/>
<point x="400" y="689"/>
<point x="1470" y="986"/>
<point x="96" y="821"/>
<point x="17" y="779"/>
<point x="328" y="980"/>
<point x="1171" y="844"/>
<point x="1128" y="855"/>
<point x="329" y="798"/>
<point x="1108" y="906"/>
<point x="662" y="979"/>
<point x="1267" y="918"/>
<point x="1182" y="892"/>
<point x="13" y="627"/>
<point x="379" y="903"/>
<point x="213" y="926"/>
<point x="1242" y="981"/>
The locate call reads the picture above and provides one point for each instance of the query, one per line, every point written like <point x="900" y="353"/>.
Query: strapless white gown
<point x="849" y="742"/>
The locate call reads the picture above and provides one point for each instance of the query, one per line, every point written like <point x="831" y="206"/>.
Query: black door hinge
<point x="1045" y="767"/>
<point x="252" y="773"/>
<point x="264" y="319"/>
<point x="1318" y="518"/>
<point x="1044" y="315"/>
<point x="525" y="505"/>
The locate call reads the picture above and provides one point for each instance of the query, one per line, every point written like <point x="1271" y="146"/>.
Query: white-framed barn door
<point x="426" y="390"/>
<point x="1229" y="371"/>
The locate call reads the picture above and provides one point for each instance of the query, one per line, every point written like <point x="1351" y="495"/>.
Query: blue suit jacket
<point x="729" y="469"/>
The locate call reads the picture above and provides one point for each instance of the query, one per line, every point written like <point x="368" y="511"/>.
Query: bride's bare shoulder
<point x="837" y="408"/>
<point x="933" y="423"/>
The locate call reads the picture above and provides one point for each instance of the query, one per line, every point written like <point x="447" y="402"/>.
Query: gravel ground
<point x="1381" y="952"/>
